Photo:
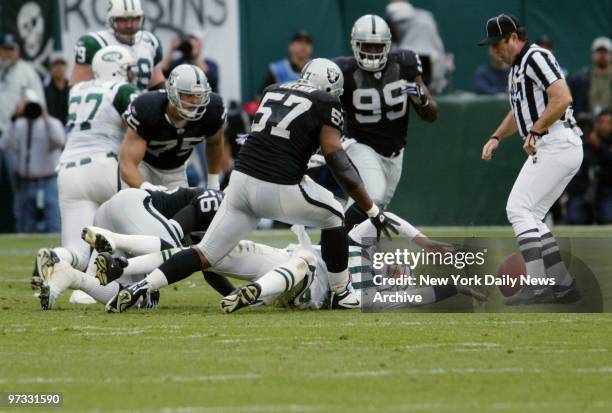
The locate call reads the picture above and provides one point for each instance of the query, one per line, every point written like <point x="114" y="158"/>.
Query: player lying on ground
<point x="276" y="274"/>
<point x="156" y="220"/>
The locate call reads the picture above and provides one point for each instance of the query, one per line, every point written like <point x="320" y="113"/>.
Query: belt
<point x="87" y="160"/>
<point x="390" y="154"/>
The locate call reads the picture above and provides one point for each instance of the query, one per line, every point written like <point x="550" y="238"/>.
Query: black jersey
<point x="376" y="111"/>
<point x="169" y="203"/>
<point x="169" y="147"/>
<point x="285" y="132"/>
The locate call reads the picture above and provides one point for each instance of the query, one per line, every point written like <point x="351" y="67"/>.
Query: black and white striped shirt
<point x="534" y="69"/>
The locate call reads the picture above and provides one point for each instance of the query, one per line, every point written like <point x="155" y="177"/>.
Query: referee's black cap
<point x="499" y="27"/>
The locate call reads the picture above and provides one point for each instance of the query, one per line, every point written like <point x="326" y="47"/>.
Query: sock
<point x="157" y="279"/>
<point x="354" y="216"/>
<point x="180" y="266"/>
<point x="101" y="293"/>
<point x="220" y="283"/>
<point x="91" y="267"/>
<point x="530" y="245"/>
<point x="147" y="263"/>
<point x="283" y="278"/>
<point x="555" y="267"/>
<point x="135" y="245"/>
<point x="334" y="250"/>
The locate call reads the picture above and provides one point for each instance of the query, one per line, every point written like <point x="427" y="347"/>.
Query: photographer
<point x="187" y="49"/>
<point x="36" y="139"/>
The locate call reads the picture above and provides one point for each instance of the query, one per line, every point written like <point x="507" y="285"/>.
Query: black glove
<point x="384" y="223"/>
<point x="417" y="93"/>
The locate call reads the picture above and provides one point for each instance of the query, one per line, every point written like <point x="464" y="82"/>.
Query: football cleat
<point x="246" y="296"/>
<point x="566" y="295"/>
<point x="57" y="276"/>
<point x="345" y="300"/>
<point x="109" y="268"/>
<point x="99" y="239"/>
<point x="128" y="297"/>
<point x="36" y="280"/>
<point x="531" y="294"/>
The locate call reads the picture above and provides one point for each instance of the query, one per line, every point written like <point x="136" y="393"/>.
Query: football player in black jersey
<point x="134" y="222"/>
<point x="164" y="126"/>
<point x="377" y="85"/>
<point x="294" y="119"/>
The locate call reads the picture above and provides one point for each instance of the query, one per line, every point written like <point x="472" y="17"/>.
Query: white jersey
<point x="146" y="50"/>
<point x="94" y="119"/>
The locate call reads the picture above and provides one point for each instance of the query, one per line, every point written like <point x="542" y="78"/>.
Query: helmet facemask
<point x="128" y="35"/>
<point x="371" y="56"/>
<point x="190" y="104"/>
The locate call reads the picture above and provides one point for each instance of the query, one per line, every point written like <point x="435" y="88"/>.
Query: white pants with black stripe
<point x="249" y="199"/>
<point x="380" y="174"/>
<point x="170" y="178"/>
<point x="539" y="184"/>
<point x="82" y="188"/>
<point x="131" y="212"/>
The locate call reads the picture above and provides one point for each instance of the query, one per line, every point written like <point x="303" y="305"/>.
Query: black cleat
<point x="36" y="280"/>
<point x="128" y="297"/>
<point x="566" y="295"/>
<point x="246" y="296"/>
<point x="98" y="238"/>
<point x="109" y="268"/>
<point x="532" y="294"/>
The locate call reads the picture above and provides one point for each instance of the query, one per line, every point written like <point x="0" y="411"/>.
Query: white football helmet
<point x="188" y="80"/>
<point x="371" y="31"/>
<point x="124" y="9"/>
<point x="113" y="63"/>
<point x="323" y="74"/>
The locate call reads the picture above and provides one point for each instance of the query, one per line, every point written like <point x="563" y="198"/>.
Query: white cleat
<point x="99" y="239"/>
<point x="344" y="300"/>
<point x="57" y="276"/>
<point x="80" y="297"/>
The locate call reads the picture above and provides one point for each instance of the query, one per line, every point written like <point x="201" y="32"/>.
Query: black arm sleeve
<point x="343" y="170"/>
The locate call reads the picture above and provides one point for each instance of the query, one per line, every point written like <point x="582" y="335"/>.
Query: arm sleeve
<point x="542" y="68"/>
<point x="56" y="132"/>
<point x="85" y="49"/>
<point x="410" y="63"/>
<point x="330" y="111"/>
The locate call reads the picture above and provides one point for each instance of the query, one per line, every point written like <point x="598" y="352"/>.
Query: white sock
<point x="338" y="281"/>
<point x="147" y="263"/>
<point x="91" y="267"/>
<point x="101" y="293"/>
<point x="282" y="278"/>
<point x="156" y="280"/>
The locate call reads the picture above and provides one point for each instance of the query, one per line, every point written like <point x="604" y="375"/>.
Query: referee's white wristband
<point x="213" y="181"/>
<point x="372" y="212"/>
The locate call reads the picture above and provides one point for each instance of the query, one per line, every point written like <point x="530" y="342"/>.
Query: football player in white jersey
<point x="124" y="20"/>
<point x="88" y="167"/>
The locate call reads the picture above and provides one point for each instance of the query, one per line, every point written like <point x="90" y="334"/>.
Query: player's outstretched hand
<point x="384" y="224"/>
<point x="416" y="92"/>
<point x="488" y="148"/>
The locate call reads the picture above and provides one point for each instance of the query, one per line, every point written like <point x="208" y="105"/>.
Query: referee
<point x="541" y="112"/>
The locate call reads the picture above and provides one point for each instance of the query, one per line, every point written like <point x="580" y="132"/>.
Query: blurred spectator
<point x="300" y="51"/>
<point x="16" y="75"/>
<point x="580" y="192"/>
<point x="602" y="140"/>
<point x="547" y="43"/>
<point x="56" y="87"/>
<point x="189" y="49"/>
<point x="491" y="78"/>
<point x="416" y="29"/>
<point x="592" y="87"/>
<point x="36" y="139"/>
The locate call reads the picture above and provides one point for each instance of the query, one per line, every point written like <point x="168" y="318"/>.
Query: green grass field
<point x="188" y="357"/>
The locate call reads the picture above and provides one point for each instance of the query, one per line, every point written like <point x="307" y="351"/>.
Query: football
<point x="512" y="266"/>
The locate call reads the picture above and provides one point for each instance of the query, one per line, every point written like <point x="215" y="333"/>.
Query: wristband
<point x="372" y="212"/>
<point x="494" y="137"/>
<point x="538" y="134"/>
<point x="213" y="181"/>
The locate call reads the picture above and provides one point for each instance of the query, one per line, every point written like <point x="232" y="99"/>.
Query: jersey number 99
<point x="370" y="102"/>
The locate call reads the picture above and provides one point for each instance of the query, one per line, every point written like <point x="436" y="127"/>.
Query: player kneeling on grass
<point x="156" y="221"/>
